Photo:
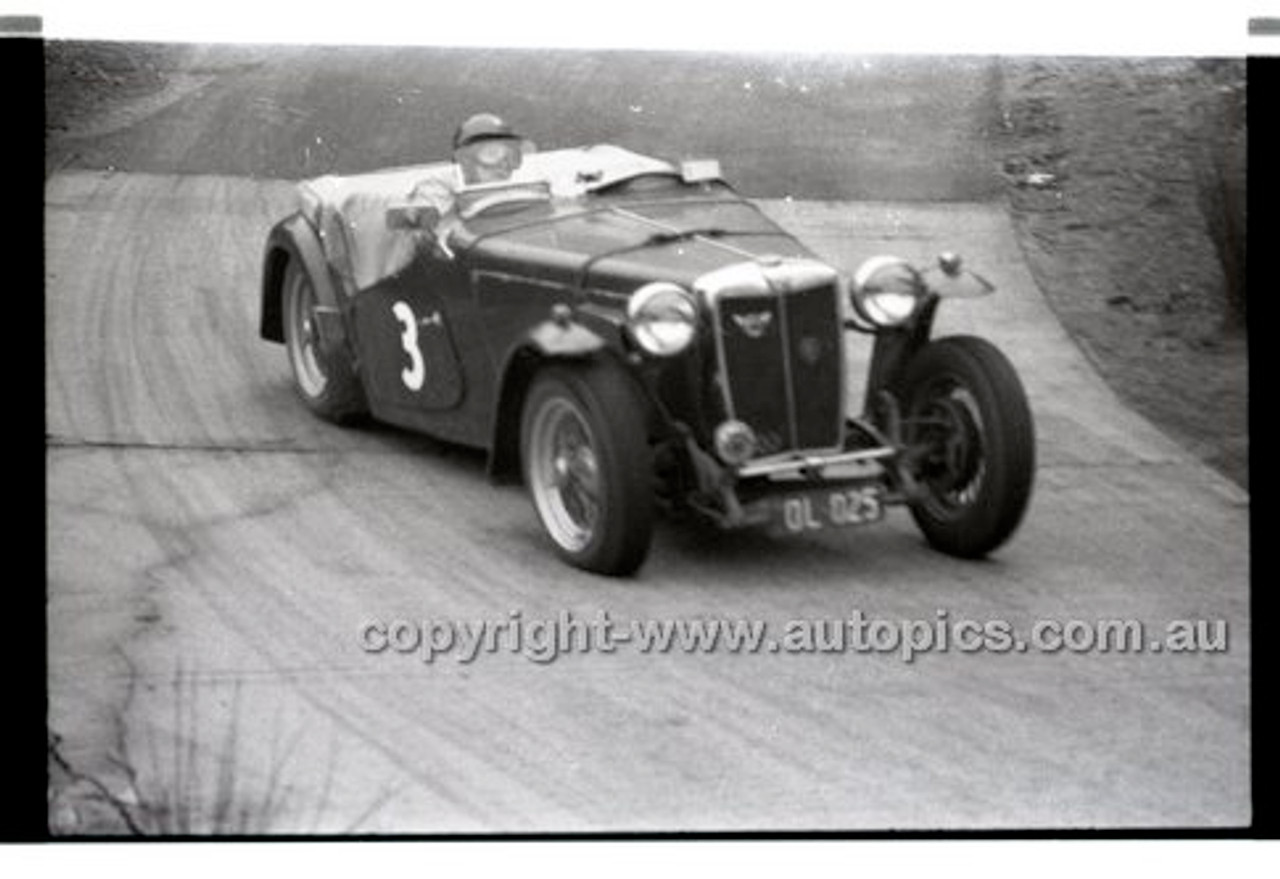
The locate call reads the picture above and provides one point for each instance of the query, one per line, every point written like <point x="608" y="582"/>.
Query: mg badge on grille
<point x="754" y="325"/>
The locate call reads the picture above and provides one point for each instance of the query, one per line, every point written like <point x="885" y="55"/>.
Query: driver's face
<point x="489" y="161"/>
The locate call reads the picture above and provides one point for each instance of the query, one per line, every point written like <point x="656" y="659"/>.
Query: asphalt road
<point x="214" y="550"/>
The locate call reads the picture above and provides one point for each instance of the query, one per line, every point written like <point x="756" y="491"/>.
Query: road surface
<point x="214" y="551"/>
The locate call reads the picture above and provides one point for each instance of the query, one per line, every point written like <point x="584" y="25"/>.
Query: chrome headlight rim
<point x="876" y="301"/>
<point x="662" y="318"/>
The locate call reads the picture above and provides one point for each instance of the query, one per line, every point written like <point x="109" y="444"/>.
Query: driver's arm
<point x="433" y="200"/>
<point x="435" y="205"/>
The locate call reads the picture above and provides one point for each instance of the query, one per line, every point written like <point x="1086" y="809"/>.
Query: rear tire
<point x="323" y="373"/>
<point x="588" y="466"/>
<point x="968" y="426"/>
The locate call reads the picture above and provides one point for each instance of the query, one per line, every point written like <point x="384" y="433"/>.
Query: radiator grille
<point x="782" y="361"/>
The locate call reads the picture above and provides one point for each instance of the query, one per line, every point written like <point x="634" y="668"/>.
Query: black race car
<point x="627" y="333"/>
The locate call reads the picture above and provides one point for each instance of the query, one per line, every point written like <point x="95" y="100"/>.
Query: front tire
<point x="322" y="372"/>
<point x="588" y="466"/>
<point x="970" y="436"/>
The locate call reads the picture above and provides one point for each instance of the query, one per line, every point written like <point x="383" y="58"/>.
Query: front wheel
<point x="971" y="444"/>
<point x="588" y="466"/>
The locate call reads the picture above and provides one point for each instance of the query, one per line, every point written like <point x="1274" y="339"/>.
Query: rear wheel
<point x="322" y="372"/>
<point x="588" y="466"/>
<point x="972" y="443"/>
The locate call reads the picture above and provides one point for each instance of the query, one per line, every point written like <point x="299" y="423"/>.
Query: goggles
<point x="492" y="153"/>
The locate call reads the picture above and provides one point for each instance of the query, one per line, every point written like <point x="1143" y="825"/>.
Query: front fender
<point x="554" y="338"/>
<point x="294" y="238"/>
<point x="545" y="343"/>
<point x="956" y="283"/>
<point x="895" y="348"/>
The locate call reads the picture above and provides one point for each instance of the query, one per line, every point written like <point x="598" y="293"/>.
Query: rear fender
<point x="295" y="238"/>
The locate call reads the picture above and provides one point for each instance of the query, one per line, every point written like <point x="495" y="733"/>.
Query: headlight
<point x="662" y="318"/>
<point x="886" y="290"/>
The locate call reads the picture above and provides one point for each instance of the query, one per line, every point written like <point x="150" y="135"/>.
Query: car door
<point x="405" y="332"/>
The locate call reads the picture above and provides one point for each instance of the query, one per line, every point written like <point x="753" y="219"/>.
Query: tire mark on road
<point x="186" y="480"/>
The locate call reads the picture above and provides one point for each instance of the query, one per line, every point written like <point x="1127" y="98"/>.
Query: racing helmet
<point x="482" y="126"/>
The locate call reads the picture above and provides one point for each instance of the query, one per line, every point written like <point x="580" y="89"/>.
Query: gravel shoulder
<point x="1102" y="158"/>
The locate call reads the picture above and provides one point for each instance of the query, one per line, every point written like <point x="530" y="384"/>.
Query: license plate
<point x="820" y="509"/>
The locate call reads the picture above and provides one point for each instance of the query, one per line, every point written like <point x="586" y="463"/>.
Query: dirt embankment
<point x="93" y="89"/>
<point x="83" y="81"/>
<point x="1123" y="176"/>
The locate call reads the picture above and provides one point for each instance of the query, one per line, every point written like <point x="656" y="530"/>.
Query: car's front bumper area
<point x="816" y="464"/>
<point x="799" y="505"/>
<point x="807" y="491"/>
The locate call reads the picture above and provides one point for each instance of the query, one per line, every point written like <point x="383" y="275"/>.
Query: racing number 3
<point x="414" y="364"/>
<point x="415" y="373"/>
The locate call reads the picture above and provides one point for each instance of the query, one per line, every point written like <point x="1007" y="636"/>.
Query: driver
<point x="485" y="150"/>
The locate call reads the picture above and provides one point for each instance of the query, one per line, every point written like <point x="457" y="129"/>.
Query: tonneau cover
<point x="350" y="211"/>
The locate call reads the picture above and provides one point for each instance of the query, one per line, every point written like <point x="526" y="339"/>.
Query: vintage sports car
<point x="629" y="334"/>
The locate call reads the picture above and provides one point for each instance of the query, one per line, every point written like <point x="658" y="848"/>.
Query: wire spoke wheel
<point x="971" y="443"/>
<point x="564" y="474"/>
<point x="954" y="464"/>
<point x="323" y="373"/>
<point x="304" y="336"/>
<point x="588" y="466"/>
